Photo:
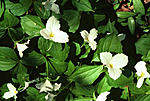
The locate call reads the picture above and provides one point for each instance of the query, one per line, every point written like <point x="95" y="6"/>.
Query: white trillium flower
<point x="90" y="37"/>
<point x="50" y="5"/>
<point x="11" y="93"/>
<point x="53" y="32"/>
<point x="22" y="47"/>
<point x="141" y="72"/>
<point x="114" y="63"/>
<point x="102" y="96"/>
<point x="49" y="97"/>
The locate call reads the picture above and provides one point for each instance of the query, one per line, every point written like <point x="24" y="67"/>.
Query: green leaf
<point x="9" y="20"/>
<point x="31" y="25"/>
<point x="33" y="59"/>
<point x="8" y="58"/>
<point x="1" y="9"/>
<point x="20" y="8"/>
<point x="131" y="25"/>
<point x="103" y="86"/>
<point x="125" y="93"/>
<point x="82" y="5"/>
<point x="109" y="43"/>
<point x="70" y="68"/>
<point x="85" y="55"/>
<point x="80" y="90"/>
<point x="95" y="58"/>
<point x="59" y="66"/>
<point x="143" y="98"/>
<point x="83" y="99"/>
<point x="73" y="19"/>
<point x="146" y="57"/>
<point x="125" y="14"/>
<point x="40" y="10"/>
<point x="86" y="75"/>
<point x="138" y="7"/>
<point x="78" y="49"/>
<point x="44" y="45"/>
<point x="99" y="17"/>
<point x="142" y="45"/>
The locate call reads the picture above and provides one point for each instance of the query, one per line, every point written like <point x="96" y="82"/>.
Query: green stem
<point x="128" y="95"/>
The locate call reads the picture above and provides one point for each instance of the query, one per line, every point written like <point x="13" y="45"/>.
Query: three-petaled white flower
<point x="22" y="47"/>
<point x="141" y="72"/>
<point x="11" y="93"/>
<point x="102" y="96"/>
<point x="89" y="37"/>
<point x="53" y="32"/>
<point x="114" y="64"/>
<point x="50" y="5"/>
<point x="47" y="87"/>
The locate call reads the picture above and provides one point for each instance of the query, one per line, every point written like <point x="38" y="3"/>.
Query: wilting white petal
<point x="49" y="97"/>
<point x="93" y="34"/>
<point x="105" y="58"/>
<point x="56" y="86"/>
<point x="93" y="44"/>
<point x="140" y="82"/>
<point x="119" y="61"/>
<point x="114" y="73"/>
<point x="102" y="96"/>
<point x="21" y="48"/>
<point x="84" y="35"/>
<point x="55" y="8"/>
<point x="52" y="24"/>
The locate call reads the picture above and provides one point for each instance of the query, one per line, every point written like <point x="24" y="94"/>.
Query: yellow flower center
<point x="142" y="74"/>
<point x="51" y="35"/>
<point x="15" y="92"/>
<point x="111" y="65"/>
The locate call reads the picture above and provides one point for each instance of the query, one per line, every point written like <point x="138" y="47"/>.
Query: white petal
<point x="49" y="97"/>
<point x="140" y="82"/>
<point x="84" y="35"/>
<point x="52" y="24"/>
<point x="119" y="61"/>
<point x="105" y="58"/>
<point x="56" y="86"/>
<point x="60" y="37"/>
<point x="140" y="67"/>
<point x="55" y="8"/>
<point x="8" y="95"/>
<point x="93" y="34"/>
<point x="45" y="33"/>
<point x="114" y="73"/>
<point x="102" y="96"/>
<point x="26" y="86"/>
<point x="11" y="87"/>
<point x="21" y="48"/>
<point x="93" y="44"/>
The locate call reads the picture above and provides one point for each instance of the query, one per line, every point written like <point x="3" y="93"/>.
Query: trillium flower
<point x="11" y="93"/>
<point x="49" y="97"/>
<point x="22" y="47"/>
<point x="53" y="32"/>
<point x="141" y="72"/>
<point x="50" y="5"/>
<point x="102" y="96"/>
<point x="114" y="63"/>
<point x="90" y="37"/>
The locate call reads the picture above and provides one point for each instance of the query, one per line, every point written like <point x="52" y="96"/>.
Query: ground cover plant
<point x="74" y="50"/>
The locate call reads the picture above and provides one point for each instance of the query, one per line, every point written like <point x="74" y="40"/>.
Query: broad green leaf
<point x="109" y="43"/>
<point x="9" y="20"/>
<point x="73" y="19"/>
<point x="78" y="49"/>
<point x="125" y="14"/>
<point x="31" y="25"/>
<point x="2" y="32"/>
<point x="125" y="93"/>
<point x="146" y="57"/>
<point x="82" y="5"/>
<point x="33" y="59"/>
<point x="20" y="8"/>
<point x="99" y="17"/>
<point x="138" y="6"/>
<point x="1" y="8"/>
<point x="142" y="45"/>
<point x="80" y="90"/>
<point x="44" y="45"/>
<point x="8" y="58"/>
<point x="83" y="99"/>
<point x="59" y="66"/>
<point x="85" y="55"/>
<point x="103" y="86"/>
<point x="40" y="10"/>
<point x="143" y="98"/>
<point x="70" y="68"/>
<point x="86" y="75"/>
<point x="95" y="58"/>
<point x="131" y="25"/>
